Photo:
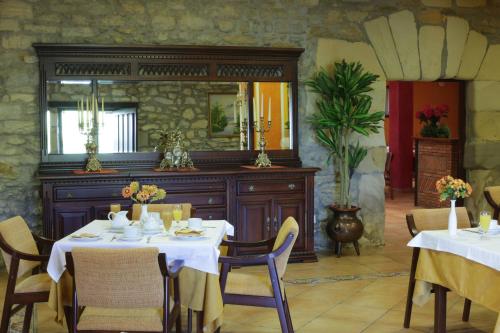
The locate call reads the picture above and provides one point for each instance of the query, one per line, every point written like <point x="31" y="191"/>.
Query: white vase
<point x="452" y="220"/>
<point x="144" y="214"/>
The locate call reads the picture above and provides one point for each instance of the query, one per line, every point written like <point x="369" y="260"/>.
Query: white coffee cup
<point x="493" y="224"/>
<point x="194" y="223"/>
<point x="130" y="231"/>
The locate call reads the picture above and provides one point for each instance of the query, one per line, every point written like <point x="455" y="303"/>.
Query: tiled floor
<point x="349" y="294"/>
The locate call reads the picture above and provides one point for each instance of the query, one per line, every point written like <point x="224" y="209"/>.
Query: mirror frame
<point x="168" y="63"/>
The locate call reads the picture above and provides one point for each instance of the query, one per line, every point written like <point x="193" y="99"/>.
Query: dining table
<point x="467" y="263"/>
<point x="199" y="279"/>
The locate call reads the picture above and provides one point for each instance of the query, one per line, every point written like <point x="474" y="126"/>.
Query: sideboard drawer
<point x="87" y="193"/>
<point x="211" y="214"/>
<point x="271" y="186"/>
<point x="199" y="199"/>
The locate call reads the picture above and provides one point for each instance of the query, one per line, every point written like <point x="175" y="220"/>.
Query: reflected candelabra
<point x="88" y="125"/>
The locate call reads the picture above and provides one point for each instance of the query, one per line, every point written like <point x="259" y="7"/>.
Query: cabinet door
<point x="294" y="207"/>
<point x="254" y="219"/>
<point x="69" y="220"/>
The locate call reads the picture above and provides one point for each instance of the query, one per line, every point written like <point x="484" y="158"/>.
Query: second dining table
<point x="199" y="280"/>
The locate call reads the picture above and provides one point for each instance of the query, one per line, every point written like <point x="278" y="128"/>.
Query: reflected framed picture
<point x="223" y="121"/>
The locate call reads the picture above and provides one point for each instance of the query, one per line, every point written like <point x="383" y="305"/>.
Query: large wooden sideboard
<point x="256" y="202"/>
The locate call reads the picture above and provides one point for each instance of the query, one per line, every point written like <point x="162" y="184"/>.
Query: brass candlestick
<point x="262" y="160"/>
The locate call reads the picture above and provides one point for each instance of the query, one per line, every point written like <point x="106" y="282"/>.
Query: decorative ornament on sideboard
<point x="344" y="111"/>
<point x="261" y="129"/>
<point x="175" y="155"/>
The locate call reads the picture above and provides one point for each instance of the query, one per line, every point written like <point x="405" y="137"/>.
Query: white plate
<point x="116" y="230"/>
<point x="85" y="239"/>
<point x="189" y="238"/>
<point x="152" y="231"/>
<point x="130" y="239"/>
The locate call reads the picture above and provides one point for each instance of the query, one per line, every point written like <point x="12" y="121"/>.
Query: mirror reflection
<point x="131" y="115"/>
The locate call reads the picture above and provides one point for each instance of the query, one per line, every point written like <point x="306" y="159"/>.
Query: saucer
<point x="85" y="239"/>
<point x="152" y="231"/>
<point x="116" y="230"/>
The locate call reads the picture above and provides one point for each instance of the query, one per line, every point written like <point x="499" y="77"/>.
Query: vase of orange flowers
<point x="143" y="195"/>
<point x="453" y="189"/>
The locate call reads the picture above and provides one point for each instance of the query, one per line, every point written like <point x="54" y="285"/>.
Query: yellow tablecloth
<point x="460" y="275"/>
<point x="200" y="291"/>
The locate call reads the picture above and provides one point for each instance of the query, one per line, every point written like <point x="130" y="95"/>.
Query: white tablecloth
<point x="202" y="255"/>
<point x="466" y="244"/>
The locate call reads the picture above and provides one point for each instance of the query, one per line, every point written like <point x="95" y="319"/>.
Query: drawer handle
<point x="251" y="188"/>
<point x="209" y="217"/>
<point x="210" y="201"/>
<point x="291" y="186"/>
<point x="275" y="224"/>
<point x="268" y="224"/>
<point x="69" y="195"/>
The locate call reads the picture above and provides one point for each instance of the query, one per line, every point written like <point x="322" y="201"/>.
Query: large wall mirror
<point x="217" y="114"/>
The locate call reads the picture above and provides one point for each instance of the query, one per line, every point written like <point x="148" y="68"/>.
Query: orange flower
<point x="126" y="192"/>
<point x="142" y="196"/>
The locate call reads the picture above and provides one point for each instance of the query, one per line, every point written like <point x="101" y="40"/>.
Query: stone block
<point x="16" y="41"/>
<point x="9" y="25"/>
<point x="457" y="30"/>
<point x="482" y="155"/>
<point x="374" y="160"/>
<point x="330" y="51"/>
<point x="430" y="16"/>
<point x="437" y="3"/>
<point x="479" y="179"/>
<point x="483" y="95"/>
<point x="473" y="55"/>
<point x="430" y="44"/>
<point x="471" y="3"/>
<point x="196" y="23"/>
<point x="371" y="193"/>
<point x="490" y="68"/>
<point x="16" y="8"/>
<point x="485" y="125"/>
<point x="404" y="32"/>
<point x="380" y="36"/>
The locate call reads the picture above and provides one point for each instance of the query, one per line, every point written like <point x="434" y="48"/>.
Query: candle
<point x="269" y="111"/>
<point x="254" y="110"/>
<point x="87" y="113"/>
<point x="102" y="114"/>
<point x="262" y="105"/>
<point x="234" y="113"/>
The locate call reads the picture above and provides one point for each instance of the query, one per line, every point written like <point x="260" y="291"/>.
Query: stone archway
<point x="399" y="50"/>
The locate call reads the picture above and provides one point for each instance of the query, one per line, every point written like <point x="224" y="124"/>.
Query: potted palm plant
<point x="344" y="111"/>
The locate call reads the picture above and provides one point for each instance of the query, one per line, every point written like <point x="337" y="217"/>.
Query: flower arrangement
<point x="430" y="116"/>
<point x="143" y="195"/>
<point x="452" y="188"/>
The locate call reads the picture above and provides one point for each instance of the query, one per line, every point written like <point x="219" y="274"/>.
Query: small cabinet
<point x="254" y="219"/>
<point x="68" y="220"/>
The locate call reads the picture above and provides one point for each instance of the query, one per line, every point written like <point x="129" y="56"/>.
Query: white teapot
<point x="118" y="220"/>
<point x="150" y="224"/>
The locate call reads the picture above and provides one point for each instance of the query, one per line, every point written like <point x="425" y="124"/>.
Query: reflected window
<point x="116" y="132"/>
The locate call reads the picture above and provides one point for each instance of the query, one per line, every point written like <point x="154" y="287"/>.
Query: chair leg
<point x="440" y="309"/>
<point x="7" y="311"/>
<point x="190" y="321"/>
<point x="27" y="318"/>
<point x="411" y="287"/>
<point x="356" y="246"/>
<point x="338" y="249"/>
<point x="199" y="321"/>
<point x="466" y="313"/>
<point x="288" y="317"/>
<point x="177" y="304"/>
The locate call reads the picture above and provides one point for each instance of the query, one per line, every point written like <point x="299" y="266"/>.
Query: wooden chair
<point x="187" y="209"/>
<point x="431" y="219"/>
<point x="265" y="290"/>
<point x="122" y="290"/>
<point x="26" y="285"/>
<point x="387" y="173"/>
<point x="492" y="194"/>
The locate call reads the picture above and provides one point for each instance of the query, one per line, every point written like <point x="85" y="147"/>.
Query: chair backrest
<point x="289" y="226"/>
<point x="436" y="218"/>
<point x="118" y="278"/>
<point x="494" y="192"/>
<point x="186" y="209"/>
<point x="16" y="233"/>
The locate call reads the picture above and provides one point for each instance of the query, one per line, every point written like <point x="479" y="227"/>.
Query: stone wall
<point x="328" y="30"/>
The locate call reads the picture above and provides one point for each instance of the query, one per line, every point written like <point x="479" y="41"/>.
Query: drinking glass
<point x="177" y="212"/>
<point x="167" y="217"/>
<point x="484" y="223"/>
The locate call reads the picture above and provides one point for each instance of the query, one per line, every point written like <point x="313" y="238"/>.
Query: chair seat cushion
<point x="248" y="284"/>
<point x="34" y="283"/>
<point x="106" y="319"/>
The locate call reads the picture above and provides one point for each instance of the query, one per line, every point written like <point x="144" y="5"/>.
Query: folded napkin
<point x="188" y="232"/>
<point x="84" y="235"/>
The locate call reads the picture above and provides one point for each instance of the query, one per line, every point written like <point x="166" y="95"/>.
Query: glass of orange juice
<point x="166" y="216"/>
<point x="177" y="213"/>
<point x="484" y="223"/>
